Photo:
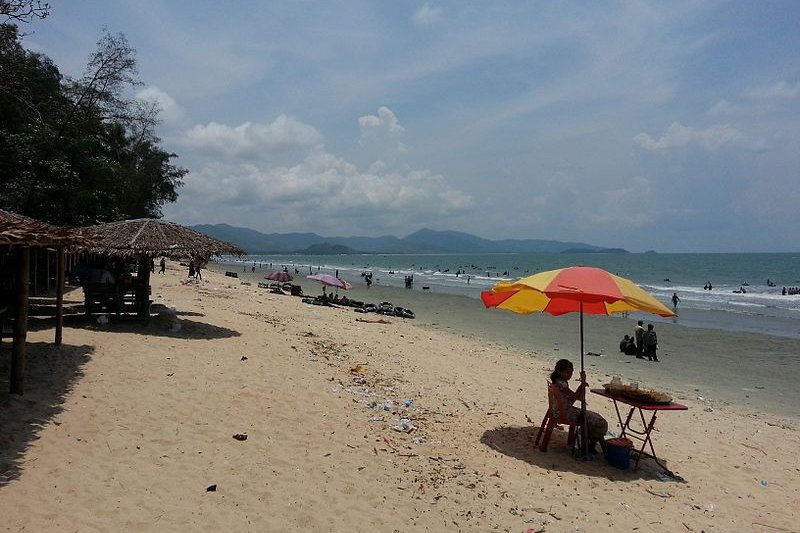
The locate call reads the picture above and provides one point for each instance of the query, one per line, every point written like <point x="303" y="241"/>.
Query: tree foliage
<point x="78" y="152"/>
<point x="23" y="10"/>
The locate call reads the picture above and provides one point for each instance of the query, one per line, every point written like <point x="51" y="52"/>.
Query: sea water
<point x="760" y="308"/>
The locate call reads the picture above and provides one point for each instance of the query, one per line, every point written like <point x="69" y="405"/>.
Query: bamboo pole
<point x="60" y="265"/>
<point x="21" y="321"/>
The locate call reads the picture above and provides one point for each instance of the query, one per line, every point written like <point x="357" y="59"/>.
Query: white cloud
<point x="171" y="114"/>
<point x="677" y="135"/>
<point x="322" y="193"/>
<point x="780" y="90"/>
<point x="282" y="134"/>
<point x="382" y="132"/>
<point x="385" y="120"/>
<point x="304" y="187"/>
<point x="723" y="108"/>
<point x="427" y="15"/>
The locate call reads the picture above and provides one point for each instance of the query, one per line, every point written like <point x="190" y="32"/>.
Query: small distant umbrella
<point x="279" y="276"/>
<point x="331" y="281"/>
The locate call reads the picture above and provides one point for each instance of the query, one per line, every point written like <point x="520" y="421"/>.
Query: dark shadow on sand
<point x="517" y="442"/>
<point x="189" y="313"/>
<point x="50" y="374"/>
<point x="157" y="326"/>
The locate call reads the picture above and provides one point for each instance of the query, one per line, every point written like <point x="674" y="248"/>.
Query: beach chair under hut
<point x="19" y="235"/>
<point x="141" y="241"/>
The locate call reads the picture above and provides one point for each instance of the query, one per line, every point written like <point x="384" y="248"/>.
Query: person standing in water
<point x="675" y="300"/>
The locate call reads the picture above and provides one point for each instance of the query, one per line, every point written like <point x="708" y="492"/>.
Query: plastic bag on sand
<point x="404" y="426"/>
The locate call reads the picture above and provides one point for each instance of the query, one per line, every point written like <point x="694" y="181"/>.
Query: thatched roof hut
<point x="20" y="230"/>
<point x="18" y="234"/>
<point x="149" y="237"/>
<point x="145" y="238"/>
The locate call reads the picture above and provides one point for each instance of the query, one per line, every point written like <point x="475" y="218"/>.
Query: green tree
<point x="78" y="152"/>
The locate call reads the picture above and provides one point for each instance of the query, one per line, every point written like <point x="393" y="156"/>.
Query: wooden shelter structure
<point x="18" y="234"/>
<point x="144" y="239"/>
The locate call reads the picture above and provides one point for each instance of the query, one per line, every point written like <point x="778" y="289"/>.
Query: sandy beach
<point x="127" y="426"/>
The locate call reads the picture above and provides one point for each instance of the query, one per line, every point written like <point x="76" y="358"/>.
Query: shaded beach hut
<point x="18" y="234"/>
<point x="144" y="239"/>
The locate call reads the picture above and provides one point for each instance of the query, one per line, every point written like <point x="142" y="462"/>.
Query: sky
<point x="669" y="126"/>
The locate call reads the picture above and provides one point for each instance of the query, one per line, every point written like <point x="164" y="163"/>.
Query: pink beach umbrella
<point x="331" y="281"/>
<point x="279" y="276"/>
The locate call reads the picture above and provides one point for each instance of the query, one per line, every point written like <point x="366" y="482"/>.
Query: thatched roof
<point x="152" y="237"/>
<point x="21" y="230"/>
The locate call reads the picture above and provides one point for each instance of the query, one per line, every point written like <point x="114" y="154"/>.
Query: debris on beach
<point x="211" y="488"/>
<point x="379" y="321"/>
<point x="240" y="436"/>
<point x="405" y="426"/>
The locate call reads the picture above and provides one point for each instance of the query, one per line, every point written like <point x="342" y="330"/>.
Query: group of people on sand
<point x="643" y="344"/>
<point x="194" y="271"/>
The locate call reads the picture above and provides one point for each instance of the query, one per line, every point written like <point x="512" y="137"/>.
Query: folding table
<point x="645" y="435"/>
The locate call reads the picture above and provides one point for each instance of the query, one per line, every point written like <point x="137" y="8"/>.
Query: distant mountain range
<point x="424" y="241"/>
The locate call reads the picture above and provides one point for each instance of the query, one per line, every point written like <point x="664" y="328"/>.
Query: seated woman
<point x="630" y="348"/>
<point x="623" y="344"/>
<point x="596" y="425"/>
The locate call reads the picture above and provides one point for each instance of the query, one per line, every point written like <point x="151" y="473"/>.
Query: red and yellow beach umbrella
<point x="574" y="289"/>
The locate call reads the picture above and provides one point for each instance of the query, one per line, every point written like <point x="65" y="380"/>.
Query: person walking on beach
<point x="650" y="343"/>
<point x="638" y="335"/>
<point x="163" y="266"/>
<point x="675" y="300"/>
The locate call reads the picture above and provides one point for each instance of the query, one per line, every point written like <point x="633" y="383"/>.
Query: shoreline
<point x="751" y="370"/>
<point x="760" y="310"/>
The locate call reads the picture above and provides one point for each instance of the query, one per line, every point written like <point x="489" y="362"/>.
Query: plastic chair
<point x="556" y="415"/>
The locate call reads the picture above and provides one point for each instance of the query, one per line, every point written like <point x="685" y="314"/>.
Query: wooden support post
<point x="47" y="270"/>
<point x="143" y="287"/>
<point x="35" y="280"/>
<point x="21" y="321"/>
<point x="60" y="266"/>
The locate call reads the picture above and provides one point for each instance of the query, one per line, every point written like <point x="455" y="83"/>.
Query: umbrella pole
<point x="581" y="341"/>
<point x="584" y="429"/>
